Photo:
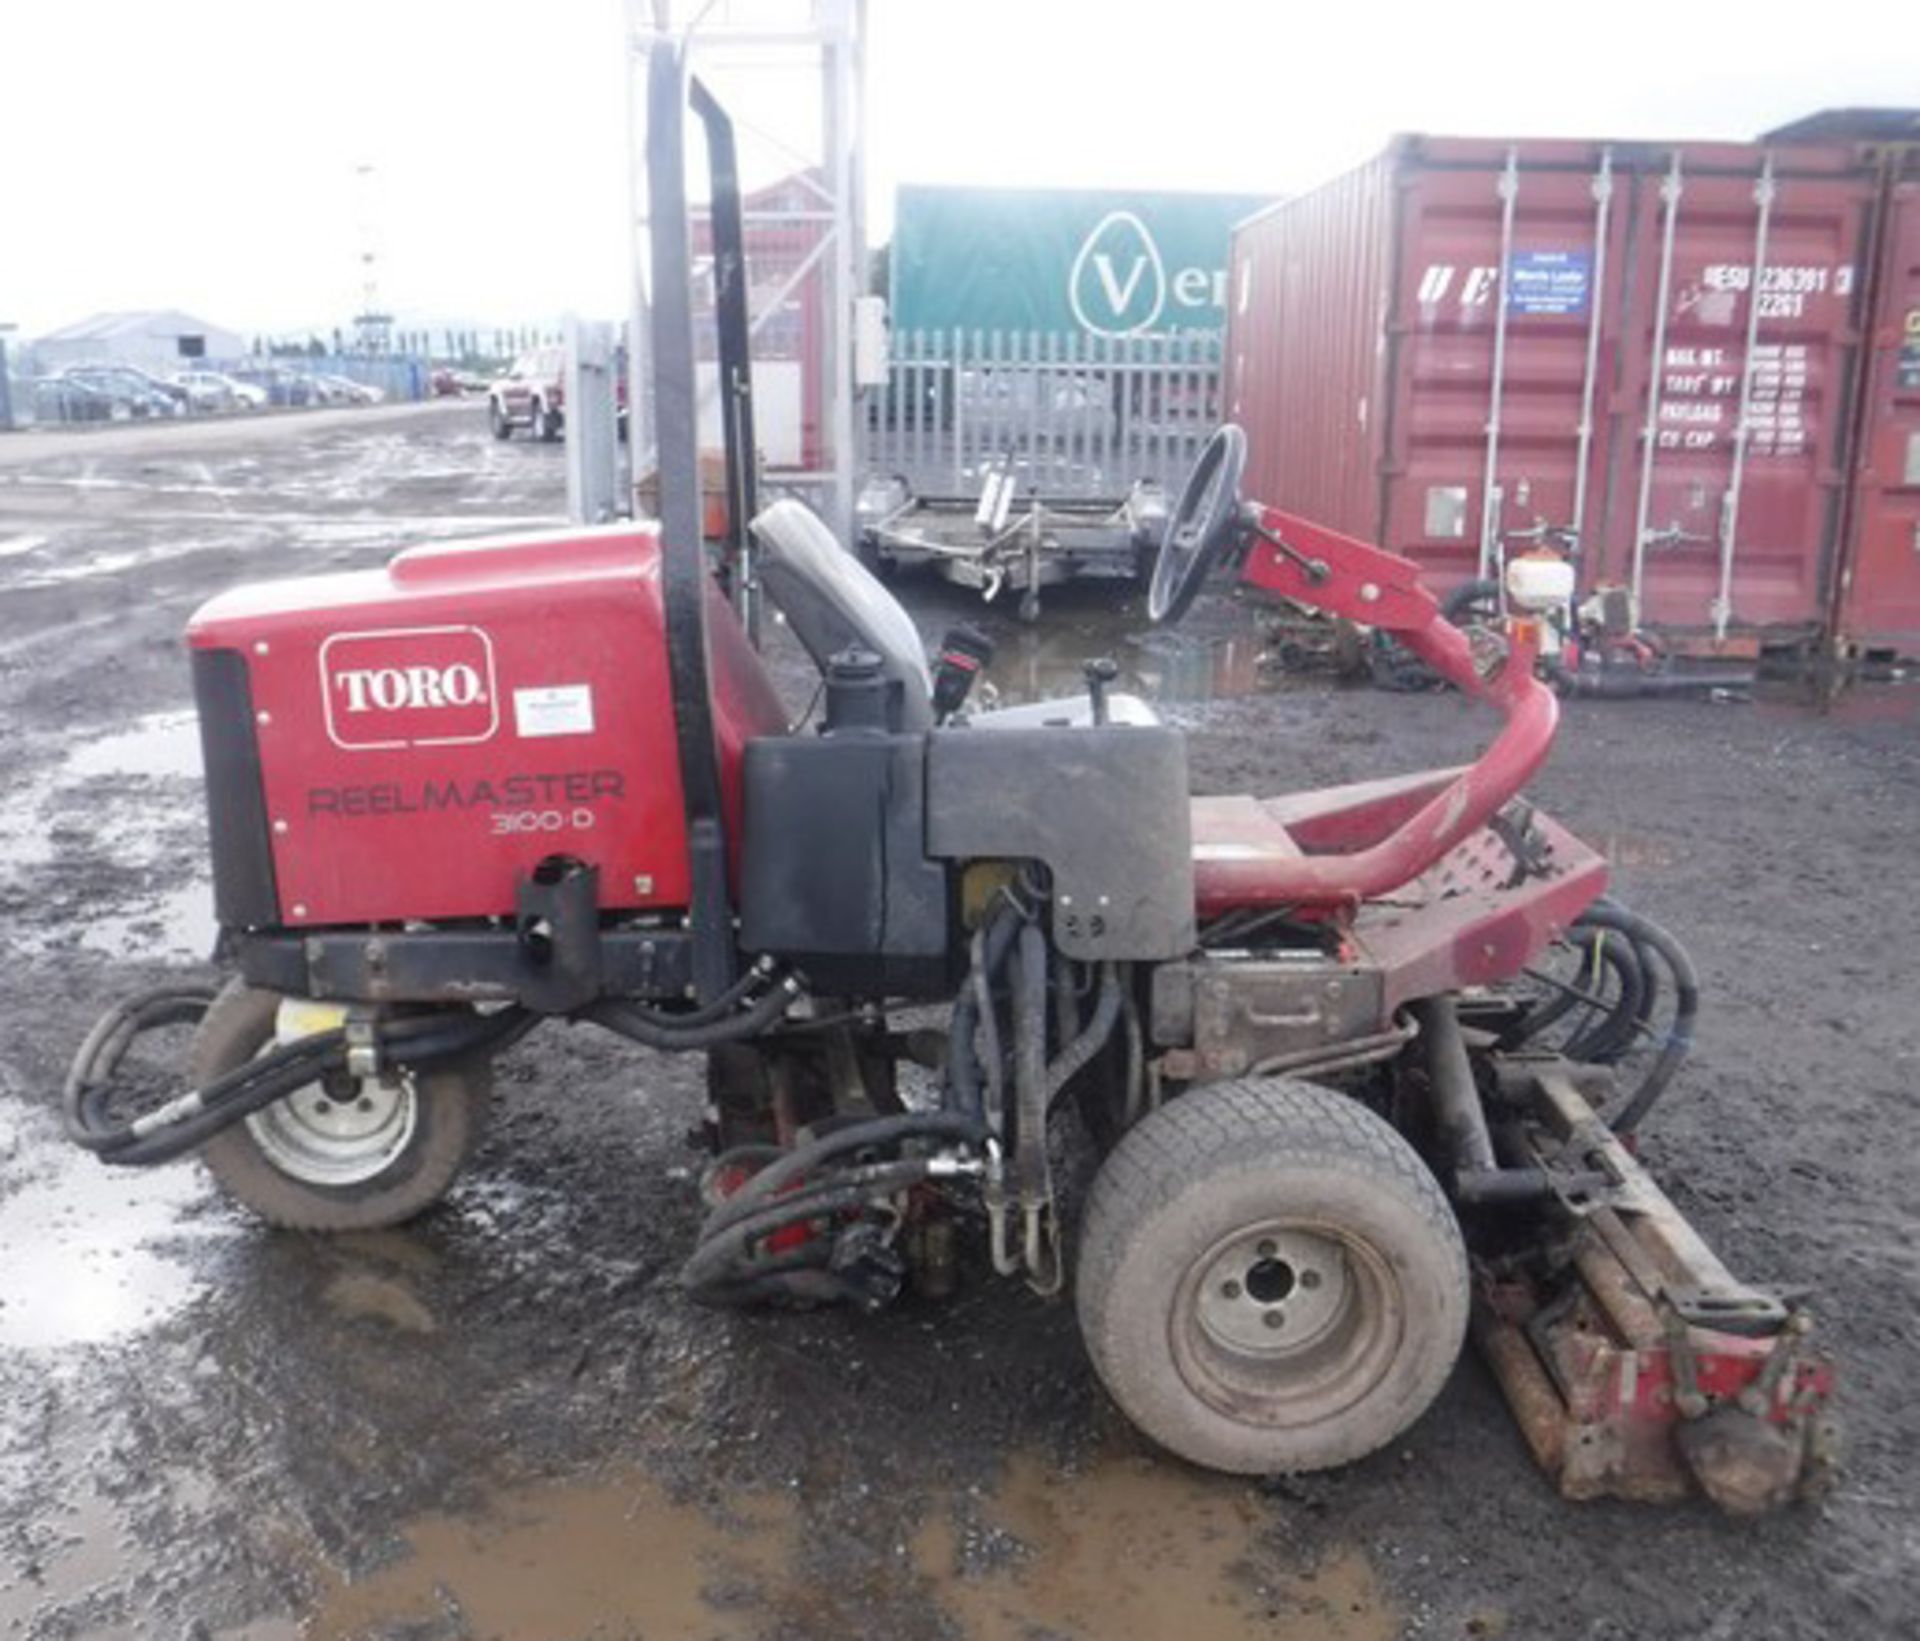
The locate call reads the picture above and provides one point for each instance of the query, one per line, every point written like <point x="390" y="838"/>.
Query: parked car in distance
<point x="448" y="383"/>
<point x="135" y="394"/>
<point x="530" y="395"/>
<point x="62" y="399"/>
<point x="344" y="390"/>
<point x="282" y="387"/>
<point x="158" y="386"/>
<point x="213" y="390"/>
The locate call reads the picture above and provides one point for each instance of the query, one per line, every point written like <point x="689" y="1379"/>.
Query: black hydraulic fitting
<point x="964" y="653"/>
<point x="861" y="698"/>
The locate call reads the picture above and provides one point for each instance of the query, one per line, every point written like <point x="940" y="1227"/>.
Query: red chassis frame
<point x="1623" y="1384"/>
<point x="1461" y="914"/>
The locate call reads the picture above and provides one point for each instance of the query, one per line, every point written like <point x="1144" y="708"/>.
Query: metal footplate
<point x="1636" y="1364"/>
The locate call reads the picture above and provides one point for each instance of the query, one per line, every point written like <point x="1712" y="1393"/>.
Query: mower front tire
<point x="337" y="1156"/>
<point x="1270" y="1279"/>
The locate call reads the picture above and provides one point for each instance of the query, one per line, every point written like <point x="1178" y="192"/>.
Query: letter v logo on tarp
<point x="1118" y="285"/>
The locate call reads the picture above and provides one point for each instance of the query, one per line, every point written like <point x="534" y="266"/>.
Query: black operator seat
<point x="834" y="602"/>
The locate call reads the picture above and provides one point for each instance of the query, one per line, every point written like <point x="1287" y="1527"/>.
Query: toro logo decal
<point x="409" y="686"/>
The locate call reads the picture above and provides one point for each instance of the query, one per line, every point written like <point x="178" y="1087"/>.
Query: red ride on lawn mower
<point x="1348" y="1105"/>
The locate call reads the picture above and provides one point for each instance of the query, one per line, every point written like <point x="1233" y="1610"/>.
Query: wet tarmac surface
<point x="505" y="1421"/>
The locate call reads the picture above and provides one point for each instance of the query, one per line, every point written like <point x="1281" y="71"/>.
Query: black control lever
<point x="1099" y="673"/>
<point x="963" y="653"/>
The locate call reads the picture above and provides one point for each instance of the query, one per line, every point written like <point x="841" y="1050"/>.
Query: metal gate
<point x="1068" y="416"/>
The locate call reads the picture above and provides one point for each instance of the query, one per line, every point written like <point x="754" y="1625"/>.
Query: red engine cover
<point x="430" y="731"/>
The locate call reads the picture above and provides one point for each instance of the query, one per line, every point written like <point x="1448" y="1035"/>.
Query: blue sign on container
<point x="1551" y="282"/>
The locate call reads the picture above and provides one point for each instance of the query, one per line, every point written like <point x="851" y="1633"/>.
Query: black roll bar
<point x="735" y="353"/>
<point x="683" y="569"/>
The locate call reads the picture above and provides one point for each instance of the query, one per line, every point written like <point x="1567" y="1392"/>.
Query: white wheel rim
<point x="335" y="1134"/>
<point x="1287" y="1323"/>
<point x="1274" y="1294"/>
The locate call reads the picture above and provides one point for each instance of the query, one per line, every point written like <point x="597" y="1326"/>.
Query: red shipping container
<point x="1878" y="604"/>
<point x="1467" y="341"/>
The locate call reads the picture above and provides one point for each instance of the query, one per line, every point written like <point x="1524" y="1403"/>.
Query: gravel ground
<point x="506" y="1422"/>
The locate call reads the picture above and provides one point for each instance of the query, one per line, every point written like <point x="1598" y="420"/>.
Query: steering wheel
<point x="1201" y="526"/>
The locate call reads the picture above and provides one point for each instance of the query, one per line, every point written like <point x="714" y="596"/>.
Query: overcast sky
<point x="203" y="153"/>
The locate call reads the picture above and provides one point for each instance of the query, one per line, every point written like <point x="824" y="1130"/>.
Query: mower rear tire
<point x="348" y="1159"/>
<point x="1269" y="1278"/>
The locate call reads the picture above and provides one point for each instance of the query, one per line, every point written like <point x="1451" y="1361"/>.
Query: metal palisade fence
<point x="1068" y="415"/>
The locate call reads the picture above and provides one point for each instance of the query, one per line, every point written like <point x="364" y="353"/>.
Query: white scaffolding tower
<point x="791" y="74"/>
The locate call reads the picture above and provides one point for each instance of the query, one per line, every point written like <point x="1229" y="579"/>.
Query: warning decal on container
<point x="1551" y="282"/>
<point x="559" y="709"/>
<point x="1907" y="372"/>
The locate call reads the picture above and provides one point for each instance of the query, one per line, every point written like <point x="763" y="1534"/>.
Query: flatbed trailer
<point x="1003" y="542"/>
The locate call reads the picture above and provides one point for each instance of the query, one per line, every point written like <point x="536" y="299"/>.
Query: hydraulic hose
<point x="1030" y="1061"/>
<point x="1613" y="1036"/>
<point x="1136" y="1059"/>
<point x="1605" y="1039"/>
<point x="1557" y="1004"/>
<point x="767" y="1185"/>
<point x="792" y="1191"/>
<point x="106" y="1044"/>
<point x="725" y="1003"/>
<point x="1678" y="1042"/>
<point x="673" y="1032"/>
<point x="990" y="945"/>
<point x="798" y="1276"/>
<point x="1624" y="683"/>
<point x="726" y="1246"/>
<point x="1608" y="1041"/>
<point x="1072" y="1060"/>
<point x="1066" y="1000"/>
<point x="188" y="1121"/>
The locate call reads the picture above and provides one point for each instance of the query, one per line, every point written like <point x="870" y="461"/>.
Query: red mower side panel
<point x="428" y="732"/>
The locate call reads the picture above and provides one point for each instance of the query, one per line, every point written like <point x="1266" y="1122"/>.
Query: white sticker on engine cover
<point x="558" y="709"/>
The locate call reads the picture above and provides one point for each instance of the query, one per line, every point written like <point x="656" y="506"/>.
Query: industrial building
<point x="161" y="340"/>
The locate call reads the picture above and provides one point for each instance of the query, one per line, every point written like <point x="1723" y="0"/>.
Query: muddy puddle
<point x="139" y="791"/>
<point x="162" y="744"/>
<point x="1133" y="1546"/>
<point x="88" y="1544"/>
<point x="1166" y="666"/>
<point x="1125" y="1547"/>
<point x="92" y="1254"/>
